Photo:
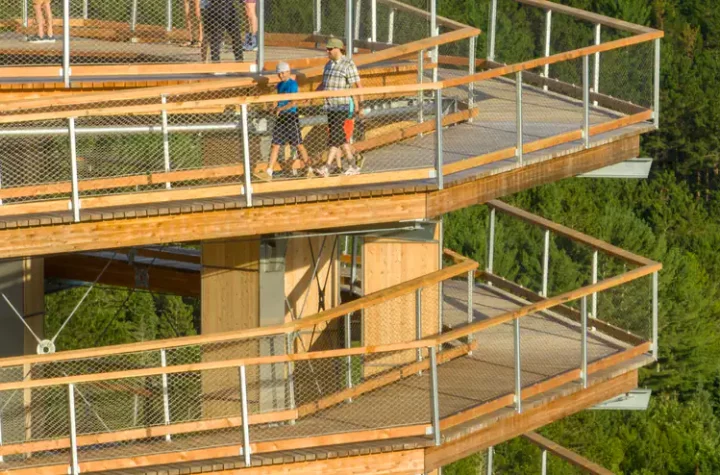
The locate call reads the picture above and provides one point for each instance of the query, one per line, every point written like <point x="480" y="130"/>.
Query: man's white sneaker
<point x="324" y="172"/>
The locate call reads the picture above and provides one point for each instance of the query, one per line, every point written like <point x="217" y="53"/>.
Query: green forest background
<point x="674" y="217"/>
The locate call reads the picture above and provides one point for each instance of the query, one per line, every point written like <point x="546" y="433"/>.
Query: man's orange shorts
<point x="349" y="128"/>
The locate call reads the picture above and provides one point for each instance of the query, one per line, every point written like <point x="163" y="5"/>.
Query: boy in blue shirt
<point x="287" y="124"/>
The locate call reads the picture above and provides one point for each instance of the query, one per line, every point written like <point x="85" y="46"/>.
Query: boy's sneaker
<point x="324" y="172"/>
<point x="352" y="170"/>
<point x="35" y="39"/>
<point x="250" y="42"/>
<point x="49" y="39"/>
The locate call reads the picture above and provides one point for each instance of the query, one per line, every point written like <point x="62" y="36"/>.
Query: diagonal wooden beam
<point x="566" y="454"/>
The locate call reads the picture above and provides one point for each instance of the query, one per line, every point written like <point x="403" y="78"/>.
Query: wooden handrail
<point x="556" y="228"/>
<point x="282" y="329"/>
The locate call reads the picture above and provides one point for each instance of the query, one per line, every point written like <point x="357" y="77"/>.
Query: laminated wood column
<point x="230" y="301"/>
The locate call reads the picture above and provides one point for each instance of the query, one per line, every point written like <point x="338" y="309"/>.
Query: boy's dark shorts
<point x="287" y="130"/>
<point x="336" y="126"/>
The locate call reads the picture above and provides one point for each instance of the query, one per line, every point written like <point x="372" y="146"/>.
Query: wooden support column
<point x="390" y="261"/>
<point x="229" y="301"/>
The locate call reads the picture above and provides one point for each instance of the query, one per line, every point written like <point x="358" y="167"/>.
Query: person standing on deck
<point x="43" y="17"/>
<point x="340" y="74"/>
<point x="251" y="42"/>
<point x="221" y="17"/>
<point x="193" y="17"/>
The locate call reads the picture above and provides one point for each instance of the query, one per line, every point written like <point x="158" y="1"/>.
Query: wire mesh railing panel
<point x="628" y="306"/>
<point x="627" y="74"/>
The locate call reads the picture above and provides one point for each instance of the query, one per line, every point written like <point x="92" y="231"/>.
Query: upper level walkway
<point x="403" y="380"/>
<point x="441" y="129"/>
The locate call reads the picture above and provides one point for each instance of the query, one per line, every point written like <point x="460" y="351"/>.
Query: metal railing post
<point x="353" y="262"/>
<point x="471" y="71"/>
<point x="586" y="100"/>
<point x="543" y="463"/>
<point x="490" y="453"/>
<point x="434" y="396"/>
<point x="420" y="80"/>
<point x="391" y="26"/>
<point x="470" y="311"/>
<point x="518" y="370"/>
<point x="246" y="156"/>
<point x="434" y="31"/>
<point x="165" y="392"/>
<point x="441" y="294"/>
<point x="169" y="16"/>
<point x="25" y="13"/>
<point x="85" y="9"/>
<point x="596" y="65"/>
<point x="348" y="29"/>
<point x="656" y="86"/>
<point x="74" y="170"/>
<point x="1" y="435"/>
<point x="439" y="138"/>
<point x="348" y="359"/>
<point x="518" y="116"/>
<point x="491" y="242"/>
<point x="548" y="35"/>
<point x="493" y="24"/>
<point x="318" y="16"/>
<point x="74" y="465"/>
<point x="594" y="303"/>
<point x="260" y="7"/>
<point x="166" y="138"/>
<point x="655" y="348"/>
<point x="245" y="417"/>
<point x="418" y="320"/>
<point x="545" y="264"/>
<point x="373" y="21"/>
<point x="583" y="341"/>
<point x="66" y="43"/>
<point x="290" y="373"/>
<point x="356" y="18"/>
<point x="133" y="15"/>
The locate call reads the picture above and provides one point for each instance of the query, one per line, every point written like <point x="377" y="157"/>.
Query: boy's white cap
<point x="282" y="67"/>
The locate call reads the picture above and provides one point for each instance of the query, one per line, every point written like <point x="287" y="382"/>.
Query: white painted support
<point x="165" y="393"/>
<point x="75" y="203"/>
<point x="470" y="311"/>
<point x="593" y="313"/>
<point x="548" y="37"/>
<point x="490" y="454"/>
<point x="318" y="16"/>
<point x="74" y="465"/>
<point x="583" y="341"/>
<point x="66" y="43"/>
<point x="246" y="155"/>
<point x="518" y="369"/>
<point x="493" y="25"/>
<point x="441" y="294"/>
<point x="391" y="26"/>
<point x="434" y="31"/>
<point x="655" y="285"/>
<point x="349" y="28"/>
<point x="471" y="71"/>
<point x="260" y="58"/>
<point x="166" y="138"/>
<point x="133" y="15"/>
<point x="545" y="264"/>
<point x="596" y="58"/>
<point x="586" y="101"/>
<point x="543" y="467"/>
<point x="434" y="396"/>
<point x="373" y="20"/>
<point x="418" y="321"/>
<point x="25" y="13"/>
<point x="656" y="85"/>
<point x="85" y="9"/>
<point x="1" y="433"/>
<point x="491" y="242"/>
<point x="420" y="80"/>
<point x="356" y="18"/>
<point x="244" y="415"/>
<point x="519" y="116"/>
<point x="169" y="16"/>
<point x="439" y="138"/>
<point x="348" y="359"/>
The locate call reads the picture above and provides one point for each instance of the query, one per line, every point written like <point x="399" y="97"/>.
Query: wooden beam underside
<point x="316" y="215"/>
<point x="567" y="454"/>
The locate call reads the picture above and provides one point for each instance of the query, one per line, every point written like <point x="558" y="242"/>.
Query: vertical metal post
<point x="246" y="156"/>
<point x="655" y="347"/>
<point x="548" y="36"/>
<point x="348" y="345"/>
<point x="318" y="16"/>
<point x="543" y="468"/>
<point x="545" y="264"/>
<point x="1" y="436"/>
<point x="491" y="36"/>
<point x="491" y="241"/>
<point x="471" y="71"/>
<point x="656" y="86"/>
<point x="373" y="21"/>
<point x="391" y="26"/>
<point x="25" y="13"/>
<point x="244" y="415"/>
<point x="518" y="370"/>
<point x="490" y="453"/>
<point x="169" y="15"/>
<point x="439" y="138"/>
<point x="166" y="138"/>
<point x="290" y="370"/>
<point x="441" y="295"/>
<point x="583" y="341"/>
<point x="136" y="409"/>
<point x="434" y="396"/>
<point x="470" y="310"/>
<point x="434" y="32"/>
<point x="356" y="18"/>
<point x="165" y="392"/>
<point x="74" y="465"/>
<point x="518" y="116"/>
<point x="420" y="80"/>
<point x="348" y="28"/>
<point x="586" y="100"/>
<point x="418" y="320"/>
<point x="74" y="170"/>
<point x="66" y="43"/>
<point x="260" y="7"/>
<point x="593" y="313"/>
<point x="596" y="66"/>
<point x="85" y="9"/>
<point x="133" y="15"/>
<point x="353" y="263"/>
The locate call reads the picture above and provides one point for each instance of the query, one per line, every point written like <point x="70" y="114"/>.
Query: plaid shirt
<point x="337" y="76"/>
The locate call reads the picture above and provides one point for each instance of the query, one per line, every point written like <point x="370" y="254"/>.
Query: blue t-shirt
<point x="289" y="86"/>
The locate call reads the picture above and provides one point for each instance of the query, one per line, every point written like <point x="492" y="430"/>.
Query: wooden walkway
<point x="550" y="346"/>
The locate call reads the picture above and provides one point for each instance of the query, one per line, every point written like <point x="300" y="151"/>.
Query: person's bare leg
<point x="332" y="154"/>
<point x="304" y="154"/>
<point x="274" y="151"/>
<point x="188" y="18"/>
<point x="49" y="19"/>
<point x="348" y="154"/>
<point x="251" y="13"/>
<point x="198" y="20"/>
<point x="39" y="20"/>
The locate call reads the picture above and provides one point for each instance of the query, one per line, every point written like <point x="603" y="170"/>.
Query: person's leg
<point x="198" y="20"/>
<point x="188" y="19"/>
<point x="215" y="27"/>
<point x="274" y="151"/>
<point x="39" y="19"/>
<point x="205" y="43"/>
<point x="232" y="25"/>
<point x="251" y="12"/>
<point x="304" y="154"/>
<point x="49" y="19"/>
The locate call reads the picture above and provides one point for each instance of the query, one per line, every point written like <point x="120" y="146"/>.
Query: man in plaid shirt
<point x="340" y="74"/>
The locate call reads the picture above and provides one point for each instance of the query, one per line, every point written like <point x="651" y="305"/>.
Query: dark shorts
<point x="287" y="130"/>
<point x="336" y="126"/>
